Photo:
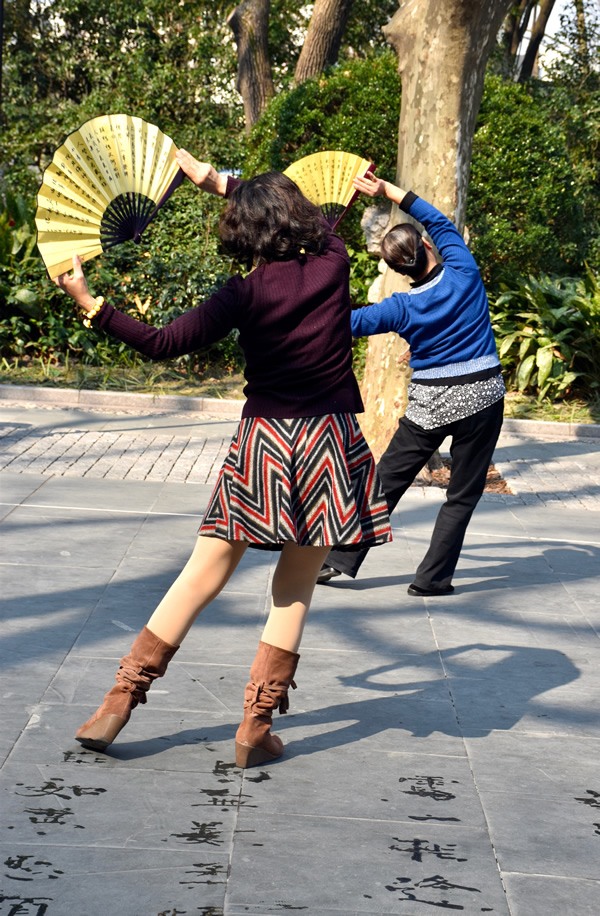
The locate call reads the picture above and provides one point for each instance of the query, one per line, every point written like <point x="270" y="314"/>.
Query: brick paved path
<point x="139" y="455"/>
<point x="562" y="473"/>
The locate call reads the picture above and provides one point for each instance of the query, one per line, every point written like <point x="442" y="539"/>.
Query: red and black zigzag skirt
<point x="308" y="480"/>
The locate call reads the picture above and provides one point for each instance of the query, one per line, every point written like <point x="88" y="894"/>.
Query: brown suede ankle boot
<point x="271" y="676"/>
<point x="148" y="659"/>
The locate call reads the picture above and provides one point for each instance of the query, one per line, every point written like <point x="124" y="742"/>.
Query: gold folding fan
<point x="326" y="179"/>
<point x="104" y="185"/>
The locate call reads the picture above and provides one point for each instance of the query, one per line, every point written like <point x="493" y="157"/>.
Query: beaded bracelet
<point x="99" y="300"/>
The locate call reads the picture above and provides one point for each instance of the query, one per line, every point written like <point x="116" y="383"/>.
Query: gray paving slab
<point x="441" y="753"/>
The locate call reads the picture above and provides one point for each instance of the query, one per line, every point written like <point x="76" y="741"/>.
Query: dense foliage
<point x="534" y="203"/>
<point x="548" y="332"/>
<point x="70" y="60"/>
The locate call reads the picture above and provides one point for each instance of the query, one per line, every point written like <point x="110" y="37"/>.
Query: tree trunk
<point x="538" y="30"/>
<point x="582" y="37"/>
<point x="442" y="51"/>
<point x="249" y="22"/>
<point x="513" y="30"/>
<point x="323" y="38"/>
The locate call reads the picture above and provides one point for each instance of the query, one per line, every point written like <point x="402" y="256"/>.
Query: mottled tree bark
<point x="249" y="22"/>
<point x="323" y="38"/>
<point x="442" y="53"/>
<point x="582" y="37"/>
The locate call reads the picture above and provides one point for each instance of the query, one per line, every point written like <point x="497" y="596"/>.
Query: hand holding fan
<point x="326" y="179"/>
<point x="104" y="185"/>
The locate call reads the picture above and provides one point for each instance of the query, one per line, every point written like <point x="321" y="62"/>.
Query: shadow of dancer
<point x="471" y="698"/>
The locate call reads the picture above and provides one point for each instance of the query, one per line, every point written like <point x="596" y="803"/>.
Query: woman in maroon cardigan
<point x="298" y="478"/>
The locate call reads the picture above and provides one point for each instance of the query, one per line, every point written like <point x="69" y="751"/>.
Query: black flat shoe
<point x="419" y="592"/>
<point x="326" y="573"/>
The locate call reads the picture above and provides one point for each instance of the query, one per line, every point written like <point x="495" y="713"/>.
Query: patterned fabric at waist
<point x="431" y="406"/>
<point x="466" y="379"/>
<point x="308" y="480"/>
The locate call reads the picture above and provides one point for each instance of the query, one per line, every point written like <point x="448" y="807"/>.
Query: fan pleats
<point x="326" y="179"/>
<point x="103" y="186"/>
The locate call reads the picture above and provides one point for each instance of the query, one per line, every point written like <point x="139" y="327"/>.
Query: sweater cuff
<point x="232" y="184"/>
<point x="407" y="201"/>
<point x="104" y="316"/>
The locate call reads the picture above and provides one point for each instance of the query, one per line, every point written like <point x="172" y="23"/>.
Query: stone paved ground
<point x="144" y="455"/>
<point x="557" y="471"/>
<point x="441" y="753"/>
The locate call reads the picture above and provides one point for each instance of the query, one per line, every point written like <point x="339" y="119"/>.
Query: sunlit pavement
<point x="441" y="754"/>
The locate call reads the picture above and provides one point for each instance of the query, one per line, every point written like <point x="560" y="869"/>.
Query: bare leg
<point x="207" y="571"/>
<point x="293" y="585"/>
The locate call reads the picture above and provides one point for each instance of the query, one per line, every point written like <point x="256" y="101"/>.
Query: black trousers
<point x="473" y="442"/>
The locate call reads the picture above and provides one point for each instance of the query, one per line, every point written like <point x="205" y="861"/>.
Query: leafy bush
<point x="524" y="212"/>
<point x="548" y="334"/>
<point x="21" y="275"/>
<point x="176" y="266"/>
<point x="354" y="106"/>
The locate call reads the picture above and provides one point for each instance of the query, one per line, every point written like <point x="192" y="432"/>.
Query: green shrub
<point x="354" y="106"/>
<point x="176" y="266"/>
<point x="548" y="334"/>
<point x="523" y="212"/>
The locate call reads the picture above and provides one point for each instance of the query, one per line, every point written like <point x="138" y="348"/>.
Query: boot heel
<point x="148" y="659"/>
<point x="101" y="733"/>
<point x="246" y="756"/>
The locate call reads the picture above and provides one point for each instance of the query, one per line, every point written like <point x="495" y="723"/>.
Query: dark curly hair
<point x="403" y="250"/>
<point x="269" y="219"/>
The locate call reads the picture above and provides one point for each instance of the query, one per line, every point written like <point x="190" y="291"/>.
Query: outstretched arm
<point x="444" y="233"/>
<point x="202" y="174"/>
<point x="196" y="328"/>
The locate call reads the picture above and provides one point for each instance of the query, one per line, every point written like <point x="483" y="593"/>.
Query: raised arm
<point x="444" y="233"/>
<point x="372" y="186"/>
<point x="202" y="174"/>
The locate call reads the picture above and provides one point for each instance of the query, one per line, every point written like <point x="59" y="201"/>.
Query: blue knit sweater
<point x="445" y="319"/>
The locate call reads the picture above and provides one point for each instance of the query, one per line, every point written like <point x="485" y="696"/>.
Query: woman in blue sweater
<point x="456" y="387"/>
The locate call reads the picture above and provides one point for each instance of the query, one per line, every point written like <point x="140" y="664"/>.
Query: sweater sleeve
<point x="444" y="233"/>
<point x="196" y="328"/>
<point x="380" y="318"/>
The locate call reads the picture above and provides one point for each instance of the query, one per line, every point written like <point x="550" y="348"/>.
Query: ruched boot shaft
<point x="271" y="676"/>
<point x="147" y="659"/>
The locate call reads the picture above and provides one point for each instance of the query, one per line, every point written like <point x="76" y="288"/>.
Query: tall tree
<point x="323" y="38"/>
<point x="249" y="22"/>
<point x="282" y="42"/>
<point x="442" y="53"/>
<point x="582" y="35"/>
<point x="538" y="30"/>
<point x="520" y="55"/>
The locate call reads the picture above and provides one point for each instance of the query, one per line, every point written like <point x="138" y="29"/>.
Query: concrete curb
<point x="232" y="408"/>
<point x="119" y="400"/>
<point x="540" y="429"/>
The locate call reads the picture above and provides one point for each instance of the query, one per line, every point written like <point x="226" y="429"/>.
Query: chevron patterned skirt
<point x="310" y="480"/>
